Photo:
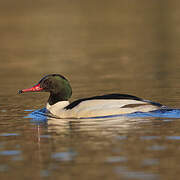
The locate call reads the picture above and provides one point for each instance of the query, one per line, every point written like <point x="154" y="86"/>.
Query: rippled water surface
<point x="111" y="47"/>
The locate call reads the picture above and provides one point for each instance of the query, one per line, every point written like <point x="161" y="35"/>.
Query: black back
<point x="107" y="96"/>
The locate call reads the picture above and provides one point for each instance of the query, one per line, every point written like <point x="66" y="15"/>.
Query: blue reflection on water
<point x="149" y="137"/>
<point x="38" y="116"/>
<point x="165" y="113"/>
<point x="41" y="115"/>
<point x="64" y="156"/>
<point x="161" y="113"/>
<point x="173" y="137"/>
<point x="116" y="159"/>
<point x="127" y="173"/>
<point x="9" y="134"/>
<point x="10" y="152"/>
<point x="45" y="136"/>
<point x="150" y="162"/>
<point x="157" y="148"/>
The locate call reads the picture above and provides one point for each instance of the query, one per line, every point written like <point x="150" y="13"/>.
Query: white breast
<point x="94" y="108"/>
<point x="58" y="108"/>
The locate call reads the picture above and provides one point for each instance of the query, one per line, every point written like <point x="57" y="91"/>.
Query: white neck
<point x="55" y="108"/>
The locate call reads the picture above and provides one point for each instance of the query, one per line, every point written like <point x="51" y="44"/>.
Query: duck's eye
<point x="47" y="84"/>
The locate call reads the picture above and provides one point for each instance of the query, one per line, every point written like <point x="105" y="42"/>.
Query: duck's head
<point x="56" y="84"/>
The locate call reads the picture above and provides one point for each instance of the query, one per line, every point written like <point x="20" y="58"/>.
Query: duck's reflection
<point x="111" y="125"/>
<point x="118" y="141"/>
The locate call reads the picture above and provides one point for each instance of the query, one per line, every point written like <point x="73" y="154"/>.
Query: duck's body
<point x="106" y="105"/>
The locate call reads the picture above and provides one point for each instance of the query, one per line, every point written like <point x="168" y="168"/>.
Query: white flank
<point x="94" y="108"/>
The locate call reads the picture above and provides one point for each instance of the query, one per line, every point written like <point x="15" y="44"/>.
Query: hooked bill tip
<point x="20" y="91"/>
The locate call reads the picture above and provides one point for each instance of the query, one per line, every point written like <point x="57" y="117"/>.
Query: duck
<point x="91" y="107"/>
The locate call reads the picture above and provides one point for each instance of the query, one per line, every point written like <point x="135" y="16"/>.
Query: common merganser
<point x="96" y="106"/>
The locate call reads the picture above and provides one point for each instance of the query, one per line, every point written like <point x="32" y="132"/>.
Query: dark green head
<point x="56" y="84"/>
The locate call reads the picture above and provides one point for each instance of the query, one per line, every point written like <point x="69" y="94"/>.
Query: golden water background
<point x="102" y="47"/>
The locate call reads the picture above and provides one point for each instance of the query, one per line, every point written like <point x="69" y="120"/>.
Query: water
<point x="111" y="47"/>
